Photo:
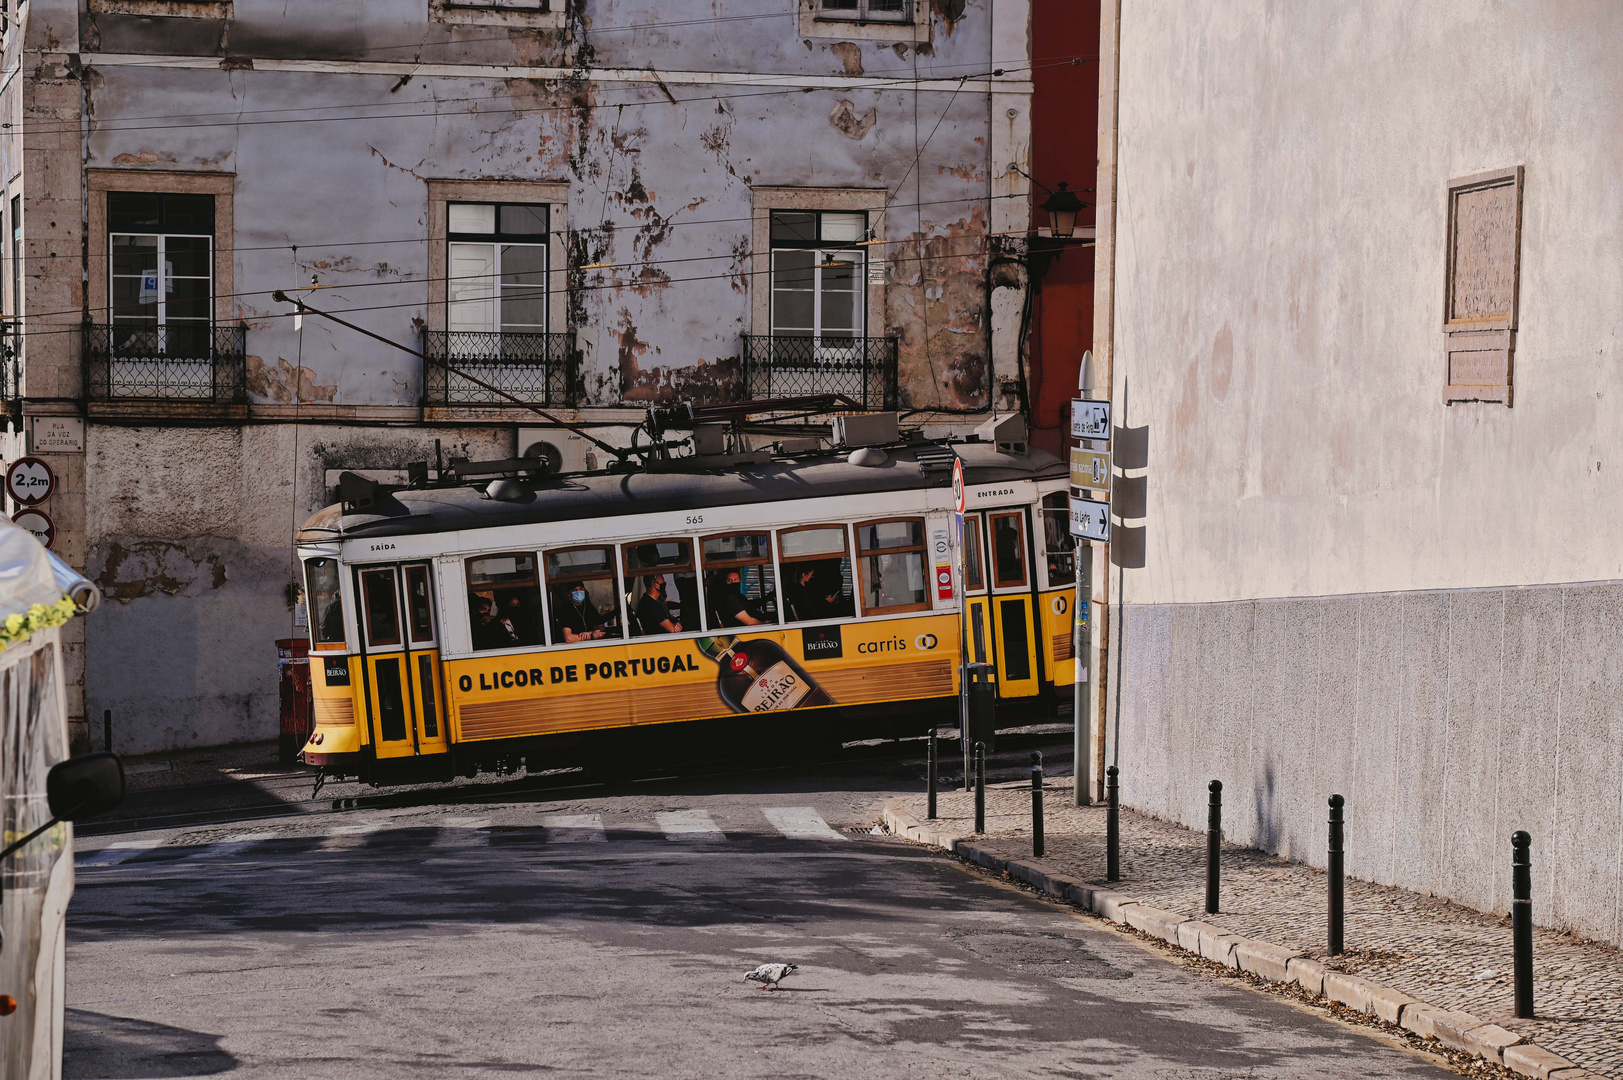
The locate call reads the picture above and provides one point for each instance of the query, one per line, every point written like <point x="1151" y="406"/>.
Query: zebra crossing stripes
<point x="800" y="823"/>
<point x="465" y="831"/>
<point x="574" y="829"/>
<point x="688" y="825"/>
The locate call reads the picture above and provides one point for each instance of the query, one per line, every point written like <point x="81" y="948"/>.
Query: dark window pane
<point x="523" y="221"/>
<point x="418" y="605"/>
<point x="188" y="256"/>
<point x="133" y="209"/>
<point x="425" y="686"/>
<point x="188" y="213"/>
<point x="382" y="617"/>
<point x="524" y="311"/>
<point x="972" y="554"/>
<point x="882" y="6"/>
<point x="1008" y="550"/>
<point x="793" y="228"/>
<point x="526" y="263"/>
<point x="391" y="701"/>
<point x="839" y="5"/>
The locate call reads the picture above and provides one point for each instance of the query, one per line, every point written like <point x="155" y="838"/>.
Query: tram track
<point x="350" y="796"/>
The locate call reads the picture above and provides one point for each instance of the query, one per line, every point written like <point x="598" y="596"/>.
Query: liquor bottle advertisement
<point x="758" y="676"/>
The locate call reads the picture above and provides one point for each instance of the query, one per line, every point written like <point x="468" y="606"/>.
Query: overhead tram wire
<point x="895" y="85"/>
<point x="728" y="276"/>
<point x="300" y="308"/>
<point x="420" y="239"/>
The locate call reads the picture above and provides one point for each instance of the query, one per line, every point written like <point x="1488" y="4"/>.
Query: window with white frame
<point x="866" y="10"/>
<point x="497" y="261"/>
<point x="818" y="273"/>
<point x="161" y="272"/>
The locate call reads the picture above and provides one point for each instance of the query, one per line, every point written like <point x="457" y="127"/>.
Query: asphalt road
<point x="608" y="935"/>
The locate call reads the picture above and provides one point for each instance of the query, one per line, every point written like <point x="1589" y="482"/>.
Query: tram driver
<point x="652" y="612"/>
<point x="577" y="617"/>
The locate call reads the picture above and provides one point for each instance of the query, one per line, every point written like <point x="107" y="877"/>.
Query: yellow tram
<point x="498" y="615"/>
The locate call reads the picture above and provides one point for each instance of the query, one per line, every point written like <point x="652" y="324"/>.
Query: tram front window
<point x="738" y="580"/>
<point x="326" y="603"/>
<point x="892" y="557"/>
<point x="816" y="574"/>
<point x="504" y="601"/>
<point x="662" y="591"/>
<point x="580" y="586"/>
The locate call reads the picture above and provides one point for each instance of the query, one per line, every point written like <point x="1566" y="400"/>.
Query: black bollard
<point x="107" y="729"/>
<point x="930" y="813"/>
<point x="1521" y="920"/>
<point x="1337" y="875"/>
<point x="1037" y="804"/>
<point x="1214" y="843"/>
<point x="1112" y="826"/>
<point x="980" y="787"/>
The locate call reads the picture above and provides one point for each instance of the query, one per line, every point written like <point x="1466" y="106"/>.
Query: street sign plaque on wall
<point x="1090" y="520"/>
<point x="1090" y="419"/>
<point x="1090" y="469"/>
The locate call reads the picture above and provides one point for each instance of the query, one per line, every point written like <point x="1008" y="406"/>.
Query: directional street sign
<point x="1090" y="469"/>
<point x="1090" y="419"/>
<point x="30" y="481"/>
<point x="1090" y="520"/>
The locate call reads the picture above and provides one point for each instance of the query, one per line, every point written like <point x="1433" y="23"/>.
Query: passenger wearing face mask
<point x="577" y="618"/>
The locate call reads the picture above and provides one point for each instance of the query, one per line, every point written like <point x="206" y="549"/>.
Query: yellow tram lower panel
<point x="659" y="680"/>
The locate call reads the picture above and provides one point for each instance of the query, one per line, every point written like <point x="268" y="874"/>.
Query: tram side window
<point x="972" y="554"/>
<point x="816" y="574"/>
<point x="662" y="592"/>
<point x="1008" y="550"/>
<point x="504" y="601"/>
<point x="738" y="580"/>
<point x="891" y="554"/>
<point x="326" y="602"/>
<point x="1058" y="541"/>
<point x="584" y="598"/>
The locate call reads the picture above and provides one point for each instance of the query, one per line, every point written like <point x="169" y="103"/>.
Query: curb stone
<point x="1268" y="961"/>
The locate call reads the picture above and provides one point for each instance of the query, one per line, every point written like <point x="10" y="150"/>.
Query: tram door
<point x="1002" y="627"/>
<point x="401" y="662"/>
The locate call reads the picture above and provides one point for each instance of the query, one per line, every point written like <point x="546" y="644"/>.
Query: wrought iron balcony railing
<point x="538" y="369"/>
<point x="861" y="368"/>
<point x="178" y="362"/>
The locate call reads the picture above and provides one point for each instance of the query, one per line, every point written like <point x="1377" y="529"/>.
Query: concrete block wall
<point x="1448" y="718"/>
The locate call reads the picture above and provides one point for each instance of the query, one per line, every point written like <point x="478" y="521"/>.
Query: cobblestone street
<point x="1439" y="952"/>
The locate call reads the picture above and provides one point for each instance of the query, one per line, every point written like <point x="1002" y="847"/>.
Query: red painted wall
<point x="1064" y="146"/>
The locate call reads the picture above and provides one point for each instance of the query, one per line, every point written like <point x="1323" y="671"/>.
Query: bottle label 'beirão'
<point x="778" y="688"/>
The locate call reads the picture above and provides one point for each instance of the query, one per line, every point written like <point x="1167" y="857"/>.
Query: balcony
<point x="177" y="363"/>
<point x="861" y="368"/>
<point x="537" y="369"/>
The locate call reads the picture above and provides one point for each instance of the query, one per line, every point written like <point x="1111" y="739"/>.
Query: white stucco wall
<point x="1280" y="264"/>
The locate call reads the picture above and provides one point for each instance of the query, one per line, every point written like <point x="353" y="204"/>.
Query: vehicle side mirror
<point x="85" y="786"/>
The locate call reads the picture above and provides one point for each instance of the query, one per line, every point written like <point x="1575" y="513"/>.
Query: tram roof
<point x="416" y="511"/>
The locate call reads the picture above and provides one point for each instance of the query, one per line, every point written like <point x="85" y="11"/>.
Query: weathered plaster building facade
<point x="1360" y="273"/>
<point x="598" y="204"/>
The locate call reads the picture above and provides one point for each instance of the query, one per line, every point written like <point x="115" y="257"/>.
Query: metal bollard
<point x="1521" y="920"/>
<point x="1214" y="843"/>
<point x="1112" y="826"/>
<point x="1338" y="877"/>
<point x="980" y="787"/>
<point x="1037" y="804"/>
<point x="107" y="729"/>
<point x="930" y="812"/>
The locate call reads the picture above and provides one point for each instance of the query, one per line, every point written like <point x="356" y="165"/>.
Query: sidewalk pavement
<point x="1429" y="965"/>
<point x="210" y="765"/>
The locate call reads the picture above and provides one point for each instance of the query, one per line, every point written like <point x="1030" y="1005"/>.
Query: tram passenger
<point x="652" y="613"/>
<point x="732" y="607"/>
<point x="490" y="632"/>
<point x="576" y="617"/>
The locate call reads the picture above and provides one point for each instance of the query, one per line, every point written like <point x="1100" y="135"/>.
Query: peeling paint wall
<point x="326" y="124"/>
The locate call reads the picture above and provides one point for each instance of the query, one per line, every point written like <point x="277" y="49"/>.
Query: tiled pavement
<point x="1439" y="952"/>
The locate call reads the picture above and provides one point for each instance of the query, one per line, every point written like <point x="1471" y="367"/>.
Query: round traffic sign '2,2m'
<point x="30" y="481"/>
<point x="37" y="522"/>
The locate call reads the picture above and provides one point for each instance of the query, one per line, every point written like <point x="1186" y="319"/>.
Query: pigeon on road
<point x="770" y="975"/>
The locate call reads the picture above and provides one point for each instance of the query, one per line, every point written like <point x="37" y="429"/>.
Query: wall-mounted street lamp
<point x="1062" y="208"/>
